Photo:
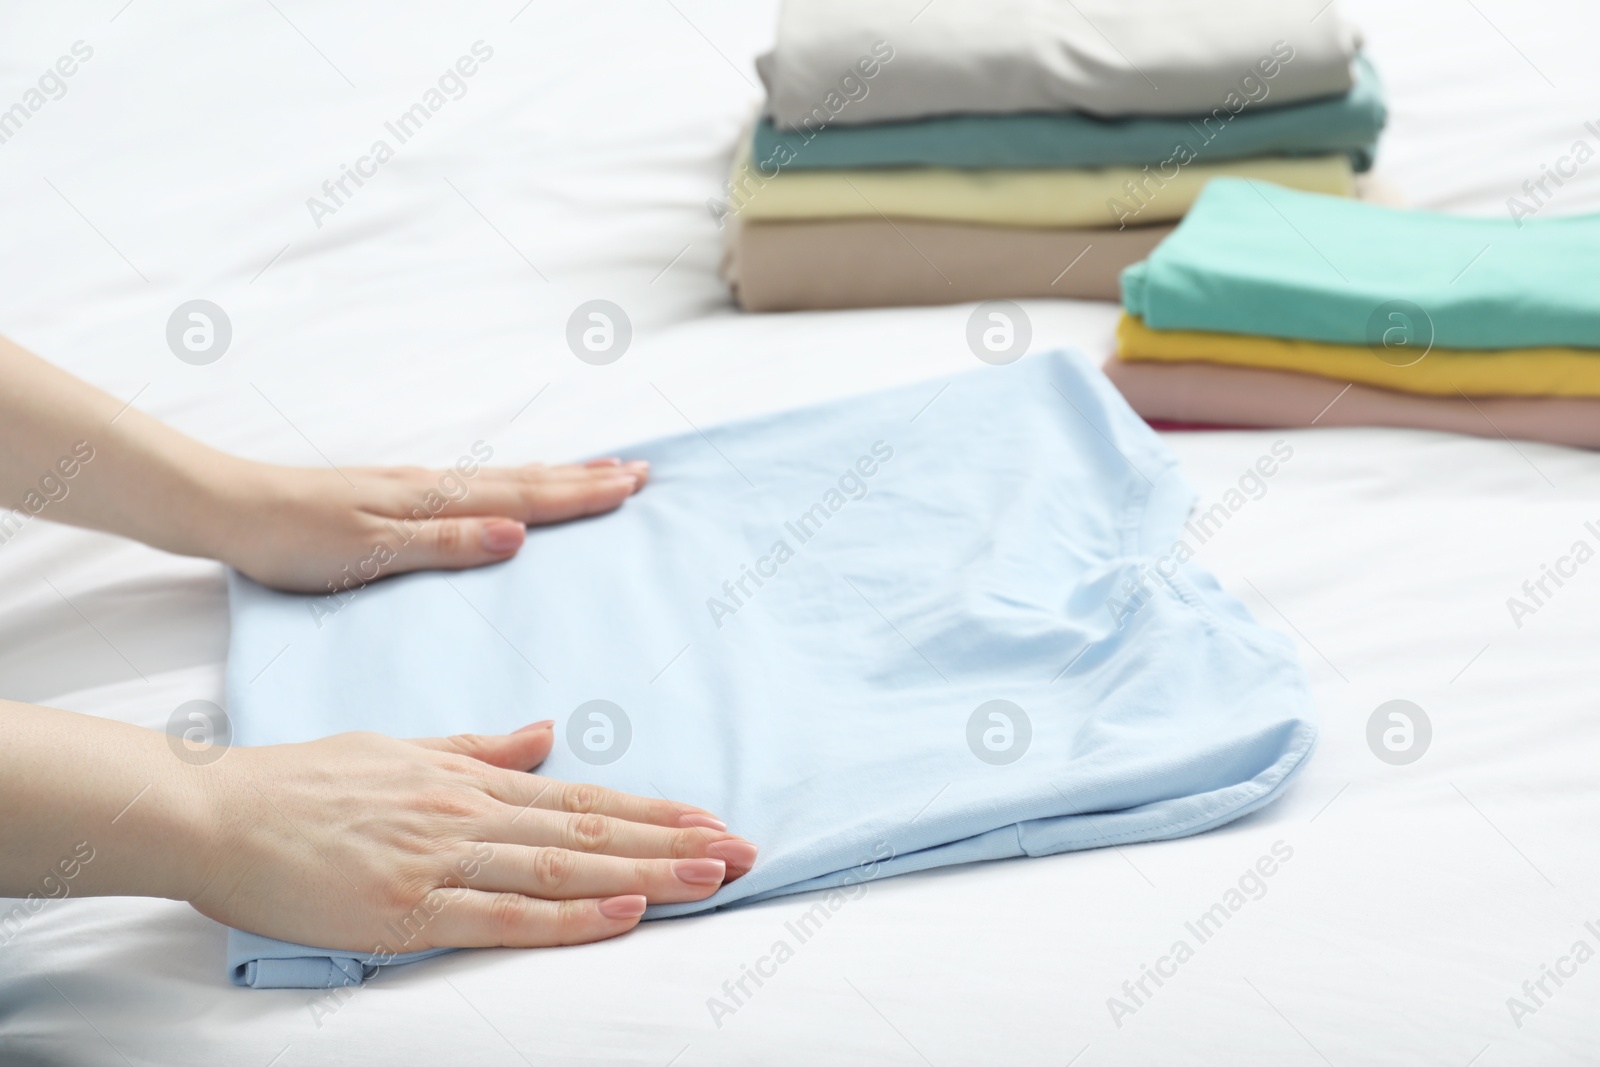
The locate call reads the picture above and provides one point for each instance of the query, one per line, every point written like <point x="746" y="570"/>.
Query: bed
<point x="1425" y="912"/>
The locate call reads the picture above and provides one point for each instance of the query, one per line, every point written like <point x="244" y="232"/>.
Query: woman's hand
<point x="364" y="842"/>
<point x="322" y="531"/>
<point x="70" y="453"/>
<point x="357" y="841"/>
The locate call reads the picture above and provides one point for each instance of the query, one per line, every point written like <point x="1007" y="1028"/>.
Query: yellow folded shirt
<point x="1061" y="196"/>
<point x="1442" y="372"/>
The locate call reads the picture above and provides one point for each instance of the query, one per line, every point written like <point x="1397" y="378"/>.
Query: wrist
<point x="226" y="498"/>
<point x="108" y="799"/>
<point x="221" y="799"/>
<point x="173" y="832"/>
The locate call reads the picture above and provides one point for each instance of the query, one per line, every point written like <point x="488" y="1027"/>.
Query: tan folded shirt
<point x="815" y="265"/>
<point x="854" y="263"/>
<point x="1242" y="396"/>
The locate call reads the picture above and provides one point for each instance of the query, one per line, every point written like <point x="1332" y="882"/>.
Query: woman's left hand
<point x="319" y="531"/>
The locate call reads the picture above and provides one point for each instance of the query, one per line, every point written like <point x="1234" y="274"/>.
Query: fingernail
<point x="735" y="853"/>
<point x="629" y="481"/>
<point x="710" y="822"/>
<point x="628" y="907"/>
<point x="637" y="465"/>
<point x="503" y="536"/>
<point x="609" y="461"/>
<point x="700" y="872"/>
<point x="548" y="724"/>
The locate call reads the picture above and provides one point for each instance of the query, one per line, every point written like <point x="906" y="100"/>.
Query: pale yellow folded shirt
<point x="1441" y="372"/>
<point x="1063" y="196"/>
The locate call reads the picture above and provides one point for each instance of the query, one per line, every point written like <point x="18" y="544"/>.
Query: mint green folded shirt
<point x="1349" y="123"/>
<point x="1255" y="258"/>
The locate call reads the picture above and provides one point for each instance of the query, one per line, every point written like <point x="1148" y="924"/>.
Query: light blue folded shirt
<point x="929" y="626"/>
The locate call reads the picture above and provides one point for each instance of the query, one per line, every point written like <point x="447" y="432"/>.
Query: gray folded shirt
<point x="845" y="62"/>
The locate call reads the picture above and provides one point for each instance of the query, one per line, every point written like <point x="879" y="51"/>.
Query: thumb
<point x="522" y="750"/>
<point x="458" y="543"/>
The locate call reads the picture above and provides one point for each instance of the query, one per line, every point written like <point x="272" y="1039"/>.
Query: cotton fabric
<point x="1439" y="372"/>
<point x="1206" y="396"/>
<point x="1062" y="196"/>
<point x="1349" y="123"/>
<point x="1250" y="258"/>
<point x="846" y="263"/>
<point x="949" y="544"/>
<point x="1105" y="57"/>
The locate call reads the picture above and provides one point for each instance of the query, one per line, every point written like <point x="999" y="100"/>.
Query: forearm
<point x="71" y="453"/>
<point x="74" y="454"/>
<point x="95" y="807"/>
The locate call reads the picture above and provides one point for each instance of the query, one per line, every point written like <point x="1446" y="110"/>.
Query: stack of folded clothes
<point x="920" y="153"/>
<point x="1270" y="307"/>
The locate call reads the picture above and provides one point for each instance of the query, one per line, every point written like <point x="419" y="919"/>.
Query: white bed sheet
<point x="431" y="308"/>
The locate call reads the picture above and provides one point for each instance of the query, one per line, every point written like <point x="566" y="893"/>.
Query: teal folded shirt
<point x="1348" y="123"/>
<point x="1255" y="258"/>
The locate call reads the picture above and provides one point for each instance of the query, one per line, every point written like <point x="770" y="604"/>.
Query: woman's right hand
<point x="368" y="843"/>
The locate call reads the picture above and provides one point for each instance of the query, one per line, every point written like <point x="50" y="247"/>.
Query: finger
<point x="517" y="751"/>
<point x="457" y="544"/>
<point x="594" y="468"/>
<point x="533" y="495"/>
<point x="557" y="874"/>
<point x="604" y="835"/>
<point x="640" y="468"/>
<point x="544" y="500"/>
<point x="472" y="918"/>
<point x="552" y="494"/>
<point x="418" y="481"/>
<point x="524" y="790"/>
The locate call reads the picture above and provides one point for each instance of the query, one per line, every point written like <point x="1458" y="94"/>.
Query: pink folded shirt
<point x="1195" y="394"/>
